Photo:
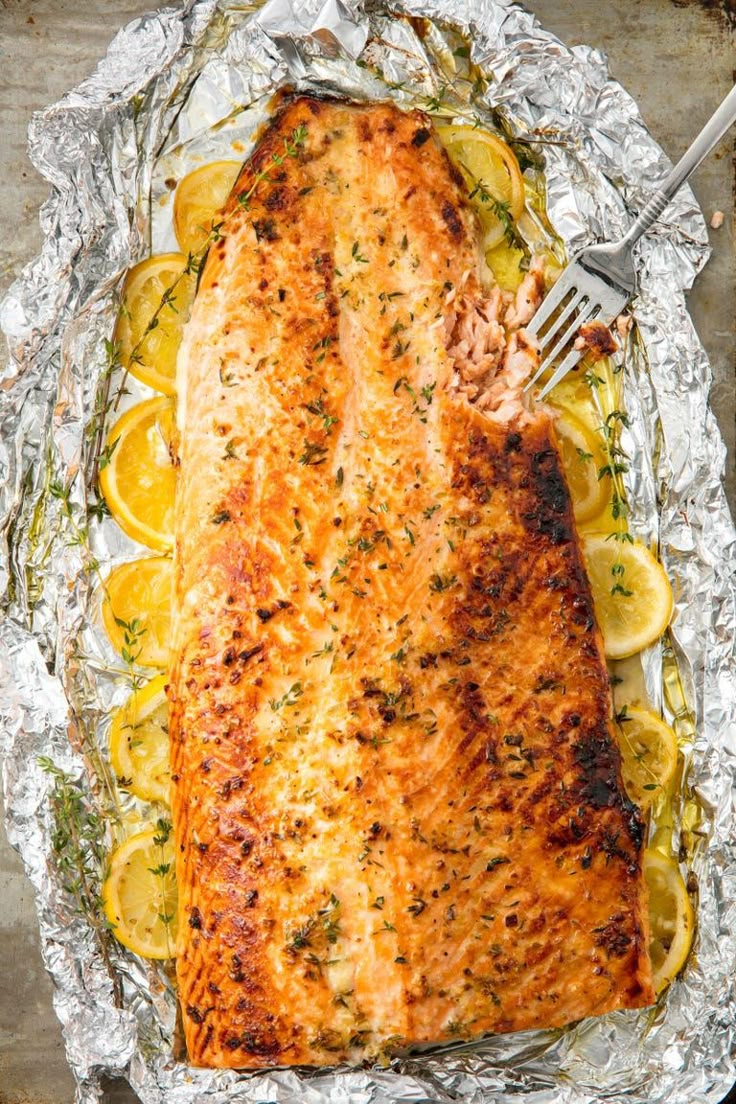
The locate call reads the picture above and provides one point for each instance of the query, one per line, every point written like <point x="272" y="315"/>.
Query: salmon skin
<point x="397" y="797"/>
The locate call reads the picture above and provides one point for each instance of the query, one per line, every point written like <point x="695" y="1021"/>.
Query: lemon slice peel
<point x="671" y="917"/>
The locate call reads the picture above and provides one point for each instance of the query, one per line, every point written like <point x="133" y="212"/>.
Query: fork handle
<point x="710" y="135"/>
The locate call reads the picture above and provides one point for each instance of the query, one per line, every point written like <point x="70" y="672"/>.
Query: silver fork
<point x="600" y="280"/>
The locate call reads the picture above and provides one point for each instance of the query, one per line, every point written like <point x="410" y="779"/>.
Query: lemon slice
<point x="582" y="458"/>
<point x="139" y="894"/>
<point x="139" y="742"/>
<point x="151" y="357"/>
<point x="493" y="176"/>
<point x="648" y="754"/>
<point x="198" y="199"/>
<point x="671" y="918"/>
<point x="136" y="610"/>
<point x="505" y="263"/>
<point x="138" y="473"/>
<point x="573" y="394"/>
<point x="631" y="593"/>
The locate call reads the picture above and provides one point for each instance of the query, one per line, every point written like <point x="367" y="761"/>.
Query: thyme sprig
<point x="96" y="428"/>
<point x="606" y="394"/>
<point x="162" y="872"/>
<point x="62" y="492"/>
<point x="78" y="845"/>
<point x="133" y="633"/>
<point x="195" y="259"/>
<point x="499" y="208"/>
<point x="133" y="630"/>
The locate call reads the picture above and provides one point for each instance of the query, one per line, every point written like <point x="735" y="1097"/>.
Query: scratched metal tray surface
<point x="203" y="58"/>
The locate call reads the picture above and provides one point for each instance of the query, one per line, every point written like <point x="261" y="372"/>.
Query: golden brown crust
<point x="597" y="340"/>
<point x="397" y="800"/>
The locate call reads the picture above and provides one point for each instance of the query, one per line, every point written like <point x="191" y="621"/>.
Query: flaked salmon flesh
<point x="397" y="797"/>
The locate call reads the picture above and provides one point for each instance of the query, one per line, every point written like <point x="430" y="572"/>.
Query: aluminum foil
<point x="178" y="88"/>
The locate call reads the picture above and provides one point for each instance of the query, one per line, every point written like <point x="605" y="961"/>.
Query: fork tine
<point x="551" y="302"/>
<point x="530" y="383"/>
<point x="539" y="372"/>
<point x="559" y="322"/>
<point x="560" y="372"/>
<point x="579" y="319"/>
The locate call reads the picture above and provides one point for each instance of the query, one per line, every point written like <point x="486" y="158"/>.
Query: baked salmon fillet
<point x="397" y="798"/>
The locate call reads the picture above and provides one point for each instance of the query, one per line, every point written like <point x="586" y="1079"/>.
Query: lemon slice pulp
<point x="648" y="754"/>
<point x="199" y="197"/>
<point x="136" y="610"/>
<point x="582" y="459"/>
<point x="139" y="742"/>
<point x="631" y="593"/>
<point x="138" y="473"/>
<point x="151" y="356"/>
<point x="505" y="262"/>
<point x="492" y="174"/>
<point x="671" y="917"/>
<point x="573" y="395"/>
<point x="139" y="894"/>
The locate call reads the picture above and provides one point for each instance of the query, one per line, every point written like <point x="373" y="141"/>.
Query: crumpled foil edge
<point x="96" y="148"/>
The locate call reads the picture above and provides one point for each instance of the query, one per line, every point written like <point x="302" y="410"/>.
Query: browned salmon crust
<point x="397" y="799"/>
